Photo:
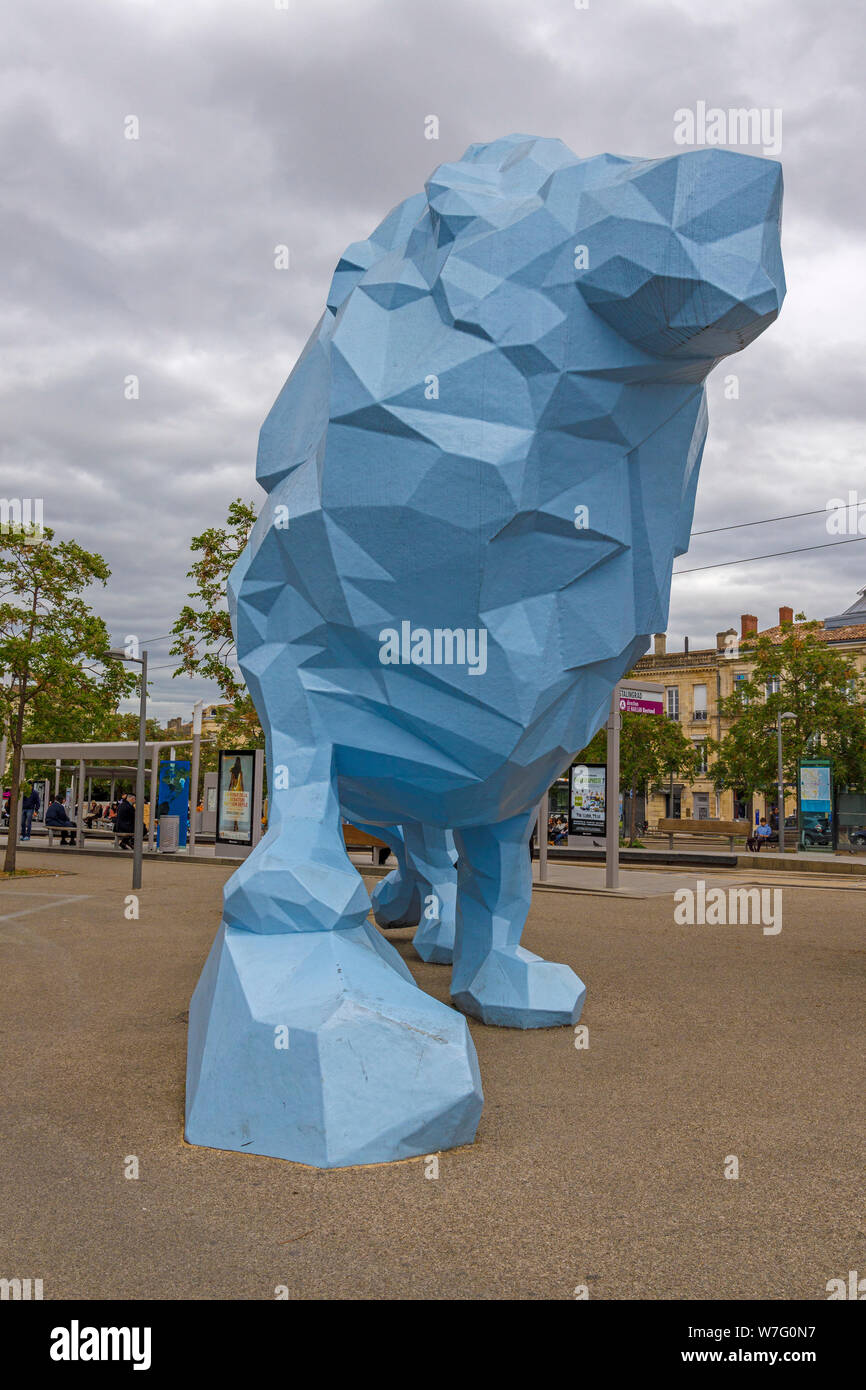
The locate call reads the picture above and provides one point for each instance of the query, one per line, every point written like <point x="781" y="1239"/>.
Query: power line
<point x="828" y="545"/>
<point x="765" y="521"/>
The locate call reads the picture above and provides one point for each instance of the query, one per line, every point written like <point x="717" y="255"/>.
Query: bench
<point x="52" y="830"/>
<point x="359" y="839"/>
<point x="716" y="828"/>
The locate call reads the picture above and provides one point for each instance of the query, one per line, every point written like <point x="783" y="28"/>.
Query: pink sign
<point x="634" y="700"/>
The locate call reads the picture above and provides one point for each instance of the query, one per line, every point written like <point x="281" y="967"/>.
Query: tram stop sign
<point x="640" y="699"/>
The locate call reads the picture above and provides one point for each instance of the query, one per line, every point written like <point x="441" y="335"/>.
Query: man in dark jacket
<point x="56" y="816"/>
<point x="29" y="806"/>
<point x="124" y="826"/>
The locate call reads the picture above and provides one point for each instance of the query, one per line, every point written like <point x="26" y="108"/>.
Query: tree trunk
<point x="631" y="810"/>
<point x="14" y="790"/>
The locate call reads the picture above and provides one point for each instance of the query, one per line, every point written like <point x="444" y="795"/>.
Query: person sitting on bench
<point x="56" y="817"/>
<point x="124" y="826"/>
<point x="760" y="832"/>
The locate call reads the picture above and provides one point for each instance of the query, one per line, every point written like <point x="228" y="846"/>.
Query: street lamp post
<point x="139" y="771"/>
<point x="193" y="791"/>
<point x="780" y="777"/>
<point x="611" y="791"/>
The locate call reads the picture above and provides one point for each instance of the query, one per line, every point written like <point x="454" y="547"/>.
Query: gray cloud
<point x="260" y="126"/>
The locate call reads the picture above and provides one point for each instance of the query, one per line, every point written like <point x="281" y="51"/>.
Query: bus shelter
<point x="110" y="761"/>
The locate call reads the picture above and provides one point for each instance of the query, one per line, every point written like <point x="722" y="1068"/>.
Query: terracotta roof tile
<point x="856" y="633"/>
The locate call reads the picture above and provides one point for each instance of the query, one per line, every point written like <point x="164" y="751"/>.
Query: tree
<point x="801" y="675"/>
<point x="205" y="641"/>
<point x="651" y="748"/>
<point x="52" y="647"/>
<point x="204" y="638"/>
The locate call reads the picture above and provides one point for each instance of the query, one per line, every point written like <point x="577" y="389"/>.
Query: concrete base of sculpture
<point x="320" y="1048"/>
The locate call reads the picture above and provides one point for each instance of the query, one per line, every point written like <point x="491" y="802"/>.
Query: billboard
<point x="816" y="803"/>
<point x="586" y="801"/>
<point x="235" y="796"/>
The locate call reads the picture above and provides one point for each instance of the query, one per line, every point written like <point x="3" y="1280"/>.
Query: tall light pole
<point x="780" y="777"/>
<point x="543" y="818"/>
<point x="139" y="771"/>
<point x="611" y="792"/>
<point x="193" y="791"/>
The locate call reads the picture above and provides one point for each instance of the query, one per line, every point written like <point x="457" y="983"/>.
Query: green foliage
<point x="652" y="748"/>
<point x="55" y="682"/>
<point x="204" y="639"/>
<point x="203" y="632"/>
<point x="819" y="686"/>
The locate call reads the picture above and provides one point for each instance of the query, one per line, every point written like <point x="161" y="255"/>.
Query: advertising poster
<point x="816" y="804"/>
<point x="586" y="809"/>
<point x="173" y="796"/>
<point x="235" y="797"/>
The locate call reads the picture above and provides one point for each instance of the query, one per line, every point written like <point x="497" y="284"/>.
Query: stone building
<point x="209" y="722"/>
<point x="695" y="681"/>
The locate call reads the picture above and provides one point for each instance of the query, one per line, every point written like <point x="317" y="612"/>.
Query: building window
<point x="773" y="685"/>
<point x="701" y="750"/>
<point x="672" y="694"/>
<point x="699" y="704"/>
<point x="739" y="678"/>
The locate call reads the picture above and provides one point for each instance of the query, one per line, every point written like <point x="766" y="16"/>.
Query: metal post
<point x="139" y="777"/>
<point x="543" y="817"/>
<point x="56" y="776"/>
<point x="193" y="781"/>
<point x="258" y="796"/>
<point x="781" y="783"/>
<point x="611" y="792"/>
<point x="79" y="819"/>
<point x="154" y="793"/>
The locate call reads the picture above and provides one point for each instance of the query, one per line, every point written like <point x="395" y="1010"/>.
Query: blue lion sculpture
<point x="478" y="475"/>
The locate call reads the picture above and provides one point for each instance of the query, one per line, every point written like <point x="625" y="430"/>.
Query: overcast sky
<point x="261" y="125"/>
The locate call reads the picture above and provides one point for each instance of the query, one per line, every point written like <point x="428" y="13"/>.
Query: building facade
<point x="210" y="716"/>
<point x="695" y="682"/>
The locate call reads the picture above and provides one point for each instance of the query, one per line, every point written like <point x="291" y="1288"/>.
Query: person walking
<point x="29" y="806"/>
<point x="56" y="816"/>
<point x="124" y="826"/>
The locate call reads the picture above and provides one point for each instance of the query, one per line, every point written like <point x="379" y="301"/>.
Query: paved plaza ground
<point x="601" y="1167"/>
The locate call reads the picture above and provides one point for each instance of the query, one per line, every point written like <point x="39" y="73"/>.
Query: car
<point x="817" y="832"/>
<point x="790" y="832"/>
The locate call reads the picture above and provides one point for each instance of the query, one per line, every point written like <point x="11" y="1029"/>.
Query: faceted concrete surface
<point x="601" y="1166"/>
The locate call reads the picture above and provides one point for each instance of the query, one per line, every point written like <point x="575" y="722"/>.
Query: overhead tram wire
<point x="747" y="559"/>
<point x="711" y="531"/>
<point x="765" y="521"/>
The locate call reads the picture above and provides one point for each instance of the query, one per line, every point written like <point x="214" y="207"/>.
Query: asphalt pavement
<point x="601" y="1167"/>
